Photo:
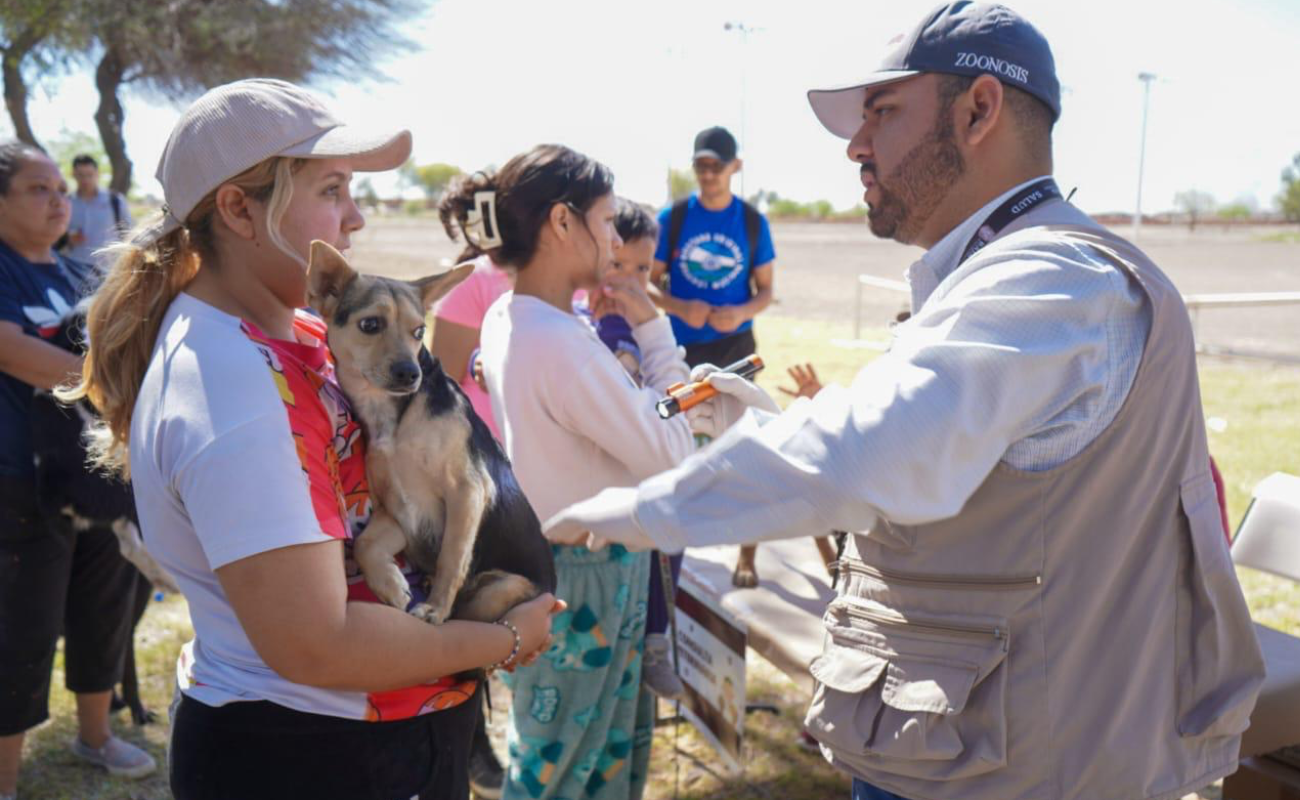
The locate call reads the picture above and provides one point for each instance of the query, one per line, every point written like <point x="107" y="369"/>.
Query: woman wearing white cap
<point x="219" y="400"/>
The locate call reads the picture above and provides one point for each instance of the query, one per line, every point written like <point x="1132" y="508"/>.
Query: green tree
<point x="176" y="49"/>
<point x="69" y="144"/>
<point x="1196" y="205"/>
<point x="821" y="209"/>
<point x="1289" y="200"/>
<point x="785" y="208"/>
<point x="34" y="35"/>
<point x="1237" y="211"/>
<point x="432" y="179"/>
<point x="365" y="193"/>
<point x="681" y="182"/>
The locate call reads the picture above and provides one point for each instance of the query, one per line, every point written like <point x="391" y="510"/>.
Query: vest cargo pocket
<point x="919" y="698"/>
<point x="1219" y="665"/>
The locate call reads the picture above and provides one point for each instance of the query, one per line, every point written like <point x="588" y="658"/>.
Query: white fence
<point x="1196" y="303"/>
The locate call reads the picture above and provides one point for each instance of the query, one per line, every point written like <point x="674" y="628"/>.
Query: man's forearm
<point x="758" y="303"/>
<point x="663" y="300"/>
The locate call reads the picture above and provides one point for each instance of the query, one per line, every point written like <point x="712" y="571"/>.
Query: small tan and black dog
<point x="444" y="494"/>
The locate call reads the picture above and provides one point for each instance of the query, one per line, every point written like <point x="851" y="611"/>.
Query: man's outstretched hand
<point x="597" y="521"/>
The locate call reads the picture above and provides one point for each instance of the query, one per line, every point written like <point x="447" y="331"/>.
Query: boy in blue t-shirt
<point x="716" y="251"/>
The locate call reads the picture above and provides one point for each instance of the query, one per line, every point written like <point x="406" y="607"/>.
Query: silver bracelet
<point x="514" y="651"/>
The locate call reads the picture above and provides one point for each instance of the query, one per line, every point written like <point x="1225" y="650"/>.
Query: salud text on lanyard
<point x="1015" y="206"/>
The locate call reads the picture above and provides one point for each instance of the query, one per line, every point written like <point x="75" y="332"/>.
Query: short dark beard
<point x="916" y="187"/>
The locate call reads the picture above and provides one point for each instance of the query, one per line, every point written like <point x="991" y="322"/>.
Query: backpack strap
<point x="753" y="227"/>
<point x="676" y="220"/>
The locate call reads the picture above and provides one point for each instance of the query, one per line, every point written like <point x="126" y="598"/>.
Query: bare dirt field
<point x="818" y="265"/>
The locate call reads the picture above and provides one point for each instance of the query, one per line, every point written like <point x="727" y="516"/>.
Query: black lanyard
<point x="1005" y="214"/>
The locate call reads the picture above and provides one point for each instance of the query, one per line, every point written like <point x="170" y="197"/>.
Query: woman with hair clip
<point x="248" y="469"/>
<point x="53" y="579"/>
<point x="573" y="422"/>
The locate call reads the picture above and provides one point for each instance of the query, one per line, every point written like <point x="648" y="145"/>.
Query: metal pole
<point x="744" y="31"/>
<point x="1146" y="78"/>
<point x="744" y="86"/>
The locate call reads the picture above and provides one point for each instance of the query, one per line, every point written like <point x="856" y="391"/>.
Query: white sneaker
<point x="120" y="758"/>
<point x="657" y="671"/>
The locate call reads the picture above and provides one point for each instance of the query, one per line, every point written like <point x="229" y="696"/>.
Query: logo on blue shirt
<point x="711" y="260"/>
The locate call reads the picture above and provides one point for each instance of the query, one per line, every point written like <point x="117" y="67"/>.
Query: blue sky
<point x="631" y="82"/>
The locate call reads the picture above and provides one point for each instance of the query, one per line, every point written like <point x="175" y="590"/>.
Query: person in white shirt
<point x="100" y="217"/>
<point x="574" y="422"/>
<point x="220" y="402"/>
<point x="1035" y="541"/>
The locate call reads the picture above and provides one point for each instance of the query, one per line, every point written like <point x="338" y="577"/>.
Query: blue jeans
<point x="865" y="791"/>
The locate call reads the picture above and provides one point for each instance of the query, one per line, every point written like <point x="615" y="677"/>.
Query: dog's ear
<point x="435" y="286"/>
<point x="328" y="274"/>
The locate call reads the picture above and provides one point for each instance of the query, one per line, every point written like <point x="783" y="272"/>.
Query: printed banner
<point x="711" y="651"/>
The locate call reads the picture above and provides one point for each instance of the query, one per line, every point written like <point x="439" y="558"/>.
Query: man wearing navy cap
<point x="1036" y="603"/>
<point x="712" y="274"/>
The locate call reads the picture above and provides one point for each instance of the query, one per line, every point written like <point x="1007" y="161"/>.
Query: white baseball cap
<point x="237" y="126"/>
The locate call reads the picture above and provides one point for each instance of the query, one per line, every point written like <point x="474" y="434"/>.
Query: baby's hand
<point x="624" y="295"/>
<point x="806" y="383"/>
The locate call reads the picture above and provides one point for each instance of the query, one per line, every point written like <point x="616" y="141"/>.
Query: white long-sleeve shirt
<point x="574" y="422"/>
<point x="1022" y="356"/>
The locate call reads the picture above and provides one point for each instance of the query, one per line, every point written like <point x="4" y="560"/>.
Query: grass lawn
<point x="1255" y="430"/>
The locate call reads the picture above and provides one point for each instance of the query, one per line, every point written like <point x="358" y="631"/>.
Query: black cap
<point x="960" y="38"/>
<point x="716" y="142"/>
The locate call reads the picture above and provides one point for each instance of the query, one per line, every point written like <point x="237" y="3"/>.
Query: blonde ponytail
<point x="128" y="308"/>
<point x="122" y="325"/>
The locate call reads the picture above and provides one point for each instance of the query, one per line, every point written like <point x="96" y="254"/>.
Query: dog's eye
<point x="371" y="324"/>
<point x="418" y="333"/>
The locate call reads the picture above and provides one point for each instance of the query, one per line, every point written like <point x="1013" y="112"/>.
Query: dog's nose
<point x="404" y="373"/>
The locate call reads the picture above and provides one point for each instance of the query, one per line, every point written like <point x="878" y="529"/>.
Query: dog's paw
<point x="745" y="576"/>
<point x="428" y="613"/>
<point x="391" y="588"/>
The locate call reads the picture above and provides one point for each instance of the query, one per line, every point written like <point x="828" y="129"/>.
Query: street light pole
<point x="1146" y="78"/>
<point x="744" y="31"/>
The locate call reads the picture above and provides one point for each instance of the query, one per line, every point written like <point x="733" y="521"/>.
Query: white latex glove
<point x="735" y="394"/>
<point x="597" y="521"/>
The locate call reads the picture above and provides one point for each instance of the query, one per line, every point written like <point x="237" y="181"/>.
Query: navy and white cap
<point x="961" y="38"/>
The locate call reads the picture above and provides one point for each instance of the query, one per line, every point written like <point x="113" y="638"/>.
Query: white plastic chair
<point x="1268" y="539"/>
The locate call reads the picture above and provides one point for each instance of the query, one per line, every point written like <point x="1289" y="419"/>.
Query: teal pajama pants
<point x="580" y="724"/>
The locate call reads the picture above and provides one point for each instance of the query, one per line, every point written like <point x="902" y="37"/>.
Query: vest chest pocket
<point x="923" y="698"/>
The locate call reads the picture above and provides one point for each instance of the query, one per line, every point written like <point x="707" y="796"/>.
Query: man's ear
<point x="328" y="274"/>
<point x="739" y="165"/>
<point x="234" y="211"/>
<point x="436" y="286"/>
<point x="979" y="109"/>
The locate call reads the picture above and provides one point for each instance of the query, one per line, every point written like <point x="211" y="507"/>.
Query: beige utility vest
<point x="1072" y="633"/>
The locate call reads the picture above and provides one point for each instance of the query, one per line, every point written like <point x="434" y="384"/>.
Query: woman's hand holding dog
<point x="624" y="295"/>
<point x="533" y="621"/>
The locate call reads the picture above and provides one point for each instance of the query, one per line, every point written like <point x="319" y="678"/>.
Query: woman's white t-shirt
<point x="241" y="444"/>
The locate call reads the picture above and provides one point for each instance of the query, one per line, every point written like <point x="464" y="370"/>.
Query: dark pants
<point x="724" y="351"/>
<point x="54" y="580"/>
<point x="865" y="791"/>
<point x="658" y="606"/>
<point x="262" y="751"/>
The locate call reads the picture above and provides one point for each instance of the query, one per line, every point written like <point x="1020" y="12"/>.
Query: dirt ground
<point x="818" y="265"/>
